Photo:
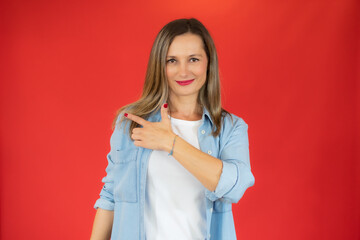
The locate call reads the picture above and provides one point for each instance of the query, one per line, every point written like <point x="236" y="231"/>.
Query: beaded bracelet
<point x="172" y="149"/>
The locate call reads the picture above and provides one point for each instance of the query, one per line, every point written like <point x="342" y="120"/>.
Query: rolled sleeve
<point x="104" y="204"/>
<point x="226" y="182"/>
<point x="236" y="175"/>
<point x="106" y="200"/>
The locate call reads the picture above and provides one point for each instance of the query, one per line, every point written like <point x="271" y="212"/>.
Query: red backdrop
<point x="288" y="68"/>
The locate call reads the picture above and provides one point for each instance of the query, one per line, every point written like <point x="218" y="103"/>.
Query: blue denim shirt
<point x="124" y="184"/>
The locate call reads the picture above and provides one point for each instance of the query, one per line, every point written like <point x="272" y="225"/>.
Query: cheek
<point x="168" y="75"/>
<point x="169" y="72"/>
<point x="201" y="70"/>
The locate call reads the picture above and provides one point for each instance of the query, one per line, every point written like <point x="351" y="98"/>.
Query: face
<point x="186" y="66"/>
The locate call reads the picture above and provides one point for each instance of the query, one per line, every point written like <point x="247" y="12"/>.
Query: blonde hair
<point x="156" y="89"/>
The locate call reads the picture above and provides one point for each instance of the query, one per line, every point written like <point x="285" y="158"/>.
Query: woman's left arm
<point x="206" y="168"/>
<point x="210" y="171"/>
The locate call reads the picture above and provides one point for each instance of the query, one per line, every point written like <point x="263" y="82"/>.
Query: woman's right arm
<point x="102" y="224"/>
<point x="103" y="221"/>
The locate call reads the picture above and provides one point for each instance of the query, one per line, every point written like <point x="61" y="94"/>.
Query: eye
<point x="171" y="60"/>
<point x="194" y="59"/>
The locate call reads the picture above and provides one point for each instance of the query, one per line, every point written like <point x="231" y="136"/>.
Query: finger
<point x="164" y="114"/>
<point x="137" y="130"/>
<point x="138" y="143"/>
<point x="136" y="119"/>
<point x="136" y="137"/>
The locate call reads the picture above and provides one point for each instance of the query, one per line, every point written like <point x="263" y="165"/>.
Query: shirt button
<point x="209" y="236"/>
<point x="209" y="152"/>
<point x="202" y="131"/>
<point x="211" y="210"/>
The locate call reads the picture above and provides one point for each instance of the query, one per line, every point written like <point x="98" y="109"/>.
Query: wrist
<point x="170" y="142"/>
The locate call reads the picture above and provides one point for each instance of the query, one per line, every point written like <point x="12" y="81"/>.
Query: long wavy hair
<point x="156" y="89"/>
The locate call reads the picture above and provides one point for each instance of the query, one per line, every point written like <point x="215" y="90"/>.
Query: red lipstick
<point x="186" y="82"/>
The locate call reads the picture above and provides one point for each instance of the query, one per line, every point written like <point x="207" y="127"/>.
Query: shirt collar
<point x="207" y="114"/>
<point x="156" y="117"/>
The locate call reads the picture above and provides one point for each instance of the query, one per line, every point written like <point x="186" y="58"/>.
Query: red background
<point x="288" y="68"/>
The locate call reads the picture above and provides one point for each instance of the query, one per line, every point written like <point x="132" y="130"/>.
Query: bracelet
<point x="172" y="149"/>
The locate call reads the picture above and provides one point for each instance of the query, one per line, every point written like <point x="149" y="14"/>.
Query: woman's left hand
<point x="153" y="135"/>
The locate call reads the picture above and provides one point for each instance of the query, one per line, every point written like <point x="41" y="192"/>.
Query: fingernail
<point x="125" y="114"/>
<point x="165" y="105"/>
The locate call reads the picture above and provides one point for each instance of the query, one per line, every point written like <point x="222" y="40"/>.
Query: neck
<point x="185" y="108"/>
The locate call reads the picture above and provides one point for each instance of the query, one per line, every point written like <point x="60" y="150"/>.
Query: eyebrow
<point x="192" y="55"/>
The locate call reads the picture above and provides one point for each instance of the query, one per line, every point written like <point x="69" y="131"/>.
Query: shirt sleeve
<point x="236" y="174"/>
<point x="106" y="200"/>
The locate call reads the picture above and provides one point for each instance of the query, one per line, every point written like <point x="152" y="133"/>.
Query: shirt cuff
<point x="227" y="181"/>
<point x="104" y="204"/>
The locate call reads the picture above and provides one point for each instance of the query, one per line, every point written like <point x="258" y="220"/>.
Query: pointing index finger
<point x="136" y="119"/>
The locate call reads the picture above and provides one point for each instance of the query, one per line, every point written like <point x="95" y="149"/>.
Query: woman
<point x="178" y="160"/>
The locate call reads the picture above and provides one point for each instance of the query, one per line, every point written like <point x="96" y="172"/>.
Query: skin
<point x="102" y="225"/>
<point x="159" y="136"/>
<point x="188" y="61"/>
<point x="182" y="65"/>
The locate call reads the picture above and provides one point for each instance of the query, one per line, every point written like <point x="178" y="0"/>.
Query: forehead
<point x="186" y="44"/>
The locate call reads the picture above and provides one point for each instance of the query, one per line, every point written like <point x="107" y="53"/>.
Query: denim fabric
<point x="124" y="184"/>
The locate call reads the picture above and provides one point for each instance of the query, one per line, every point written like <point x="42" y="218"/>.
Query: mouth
<point x="186" y="82"/>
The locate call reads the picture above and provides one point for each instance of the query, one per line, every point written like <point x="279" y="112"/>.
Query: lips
<point x="183" y="83"/>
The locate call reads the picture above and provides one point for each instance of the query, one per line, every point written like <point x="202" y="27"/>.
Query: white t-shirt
<point x="175" y="206"/>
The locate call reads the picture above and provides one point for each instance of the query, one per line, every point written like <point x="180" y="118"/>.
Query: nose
<point x="184" y="70"/>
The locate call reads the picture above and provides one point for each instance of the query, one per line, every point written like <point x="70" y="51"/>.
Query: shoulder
<point x="120" y="137"/>
<point x="232" y="123"/>
<point x="231" y="120"/>
<point x="120" y="123"/>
